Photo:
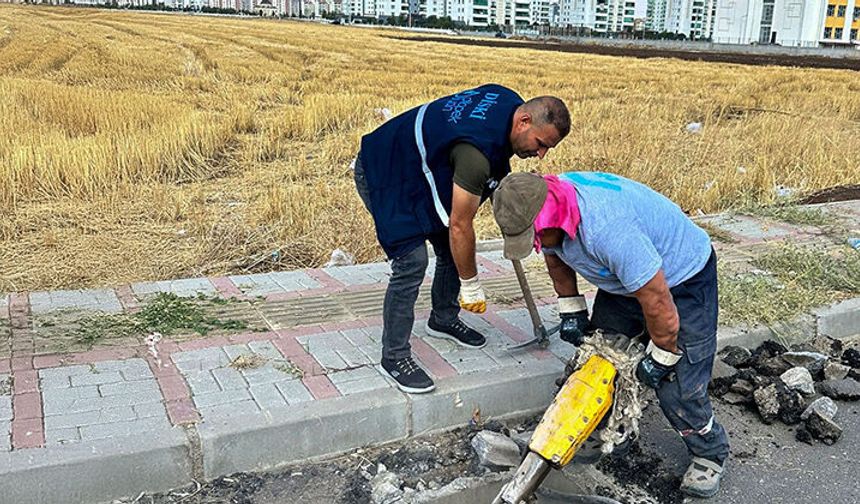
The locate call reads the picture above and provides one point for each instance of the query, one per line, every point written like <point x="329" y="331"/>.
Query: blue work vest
<point x="406" y="161"/>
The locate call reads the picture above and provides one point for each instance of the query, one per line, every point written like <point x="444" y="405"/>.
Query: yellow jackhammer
<point x="577" y="409"/>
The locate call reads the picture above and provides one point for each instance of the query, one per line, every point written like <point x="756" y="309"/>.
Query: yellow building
<point x="841" y="22"/>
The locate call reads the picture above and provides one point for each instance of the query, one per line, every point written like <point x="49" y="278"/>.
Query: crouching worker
<point x="656" y="275"/>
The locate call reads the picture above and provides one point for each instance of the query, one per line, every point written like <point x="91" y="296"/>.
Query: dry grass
<point x="145" y="146"/>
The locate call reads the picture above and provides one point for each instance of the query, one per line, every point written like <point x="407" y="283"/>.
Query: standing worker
<point x="422" y="176"/>
<point x="656" y="274"/>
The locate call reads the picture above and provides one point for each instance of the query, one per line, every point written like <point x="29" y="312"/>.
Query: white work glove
<point x="472" y="295"/>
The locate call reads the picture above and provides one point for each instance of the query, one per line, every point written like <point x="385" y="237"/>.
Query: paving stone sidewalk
<point x="308" y="349"/>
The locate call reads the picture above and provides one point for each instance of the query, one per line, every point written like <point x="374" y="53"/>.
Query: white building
<point x="602" y="16"/>
<point x="788" y="22"/>
<point x="692" y="18"/>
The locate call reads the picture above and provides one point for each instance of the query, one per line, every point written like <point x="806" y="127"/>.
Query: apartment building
<point x="692" y="18"/>
<point x="788" y="22"/>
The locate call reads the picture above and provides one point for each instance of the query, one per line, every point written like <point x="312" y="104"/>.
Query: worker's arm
<point x="464" y="206"/>
<point x="471" y="172"/>
<point x="563" y="277"/>
<point x="661" y="315"/>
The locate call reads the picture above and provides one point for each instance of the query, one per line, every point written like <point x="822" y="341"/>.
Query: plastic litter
<point x="383" y="113"/>
<point x="340" y="258"/>
<point x="694" y="127"/>
<point x="783" y="191"/>
<point x="854" y="242"/>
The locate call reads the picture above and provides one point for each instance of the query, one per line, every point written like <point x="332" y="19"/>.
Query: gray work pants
<point x="407" y="275"/>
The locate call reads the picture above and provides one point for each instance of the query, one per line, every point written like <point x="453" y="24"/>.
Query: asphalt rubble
<point x="797" y="386"/>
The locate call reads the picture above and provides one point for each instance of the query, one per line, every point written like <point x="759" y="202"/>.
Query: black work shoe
<point x="457" y="332"/>
<point x="409" y="377"/>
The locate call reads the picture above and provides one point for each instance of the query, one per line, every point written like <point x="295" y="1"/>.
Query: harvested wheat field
<point x="149" y="146"/>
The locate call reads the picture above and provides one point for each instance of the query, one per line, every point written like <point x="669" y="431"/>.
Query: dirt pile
<point x="794" y="385"/>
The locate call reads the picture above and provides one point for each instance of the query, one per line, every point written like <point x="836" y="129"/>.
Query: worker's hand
<point x="472" y="295"/>
<point x="656" y="365"/>
<point x="574" y="319"/>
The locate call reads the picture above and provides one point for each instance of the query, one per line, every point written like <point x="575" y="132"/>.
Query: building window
<point x="828" y="32"/>
<point x="831" y="9"/>
<point x="837" y="33"/>
<point x="840" y="12"/>
<point x="854" y="34"/>
<point x="856" y="13"/>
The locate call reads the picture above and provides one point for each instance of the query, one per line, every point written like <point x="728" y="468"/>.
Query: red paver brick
<point x="308" y="365"/>
<point x="105" y="354"/>
<point x="319" y="292"/>
<point x="200" y="344"/>
<point x="320" y="387"/>
<point x="372" y="321"/>
<point x="22" y="363"/>
<point x="182" y="411"/>
<point x="26" y="380"/>
<point x="541" y="354"/>
<point x="289" y="347"/>
<point x="226" y="288"/>
<point x="295" y="332"/>
<point x="510" y="330"/>
<point x="431" y="359"/>
<point x="19" y="301"/>
<point x="127" y="299"/>
<point x="27" y="406"/>
<point x="173" y="387"/>
<point x="249" y="337"/>
<point x="28" y="433"/>
<point x="328" y="281"/>
<point x="342" y="326"/>
<point x="47" y="361"/>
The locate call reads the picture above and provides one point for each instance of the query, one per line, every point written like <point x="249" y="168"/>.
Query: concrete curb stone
<point x="97" y="471"/>
<point x="304" y="431"/>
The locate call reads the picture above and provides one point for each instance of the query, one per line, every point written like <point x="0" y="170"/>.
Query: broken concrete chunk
<point x="742" y="387"/>
<point x="736" y="356"/>
<point x="835" y="371"/>
<point x="735" y="398"/>
<point x="824" y="406"/>
<point x="823" y="428"/>
<point x="522" y="439"/>
<point x="803" y="435"/>
<point x="722" y="370"/>
<point x="842" y="390"/>
<point x="826" y="345"/>
<point x="767" y="402"/>
<point x="772" y="366"/>
<point x="799" y="379"/>
<point x="495" y="451"/>
<point x="813" y="361"/>
<point x="852" y="358"/>
<point x="385" y="487"/>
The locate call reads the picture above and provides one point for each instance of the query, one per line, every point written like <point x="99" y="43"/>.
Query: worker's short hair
<point x="550" y="110"/>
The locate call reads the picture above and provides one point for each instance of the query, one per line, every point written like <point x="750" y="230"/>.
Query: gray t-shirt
<point x="627" y="232"/>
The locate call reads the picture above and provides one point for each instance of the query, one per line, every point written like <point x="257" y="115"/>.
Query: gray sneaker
<point x="702" y="478"/>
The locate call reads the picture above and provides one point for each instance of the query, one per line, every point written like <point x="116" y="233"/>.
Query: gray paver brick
<point x="124" y="429"/>
<point x="292" y="281"/>
<point x="202" y="382"/>
<point x="55" y="382"/>
<point x="361" y="373"/>
<point x="70" y="394"/>
<point x="234" y="351"/>
<point x="187" y="287"/>
<point x="222" y="411"/>
<point x="65" y="371"/>
<point x="223" y="397"/>
<point x="294" y="391"/>
<point x="265" y="374"/>
<point x="5" y="436"/>
<point x="266" y="349"/>
<point x="5" y="408"/>
<point x="229" y="379"/>
<point x="96" y="378"/>
<point x="482" y="363"/>
<point x="329" y="359"/>
<point x="352" y="356"/>
<point x="267" y="396"/>
<point x="128" y="387"/>
<point x="62" y="436"/>
<point x="357" y="337"/>
<point x="147" y="410"/>
<point x="109" y="415"/>
<point x="357" y="386"/>
<point x="103" y="300"/>
<point x="206" y="358"/>
<point x="130" y="369"/>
